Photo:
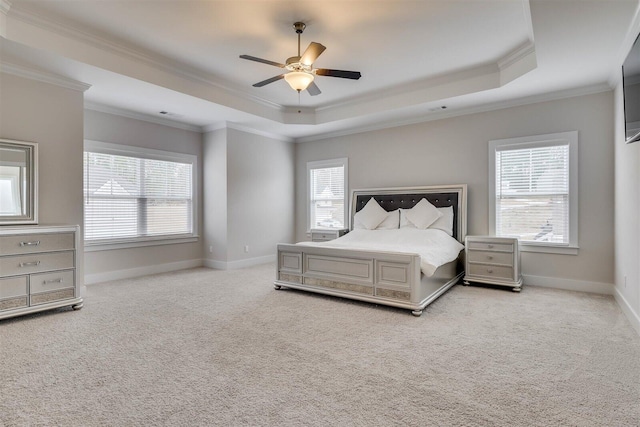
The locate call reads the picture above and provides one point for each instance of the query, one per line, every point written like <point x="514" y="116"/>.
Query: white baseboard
<point x="233" y="265"/>
<point x="90" y="279"/>
<point x="633" y="317"/>
<point x="568" y="284"/>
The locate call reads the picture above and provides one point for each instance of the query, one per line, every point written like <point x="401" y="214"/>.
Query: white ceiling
<point x="143" y="57"/>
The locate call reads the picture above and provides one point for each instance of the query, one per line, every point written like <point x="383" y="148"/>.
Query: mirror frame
<point x="31" y="216"/>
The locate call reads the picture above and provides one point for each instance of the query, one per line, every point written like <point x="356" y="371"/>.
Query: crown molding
<point x="42" y="76"/>
<point x="625" y="47"/>
<point x="520" y="53"/>
<point x="412" y="87"/>
<point x="72" y="31"/>
<point x="414" y="90"/>
<point x="248" y="129"/>
<point x="441" y="114"/>
<point x="101" y="108"/>
<point x="214" y="127"/>
<point x="5" y="5"/>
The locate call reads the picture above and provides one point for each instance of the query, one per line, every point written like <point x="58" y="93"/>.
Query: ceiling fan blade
<point x="313" y="89"/>
<point x="311" y="54"/>
<point x="264" y="61"/>
<point x="271" y="80"/>
<point x="354" y="75"/>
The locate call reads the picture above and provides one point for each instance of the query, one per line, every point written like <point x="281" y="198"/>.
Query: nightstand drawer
<point x="493" y="271"/>
<point x="320" y="235"/>
<point x="486" y="257"/>
<point x="487" y="246"/>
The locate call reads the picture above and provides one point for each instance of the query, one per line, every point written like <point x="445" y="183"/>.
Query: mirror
<point x="18" y="182"/>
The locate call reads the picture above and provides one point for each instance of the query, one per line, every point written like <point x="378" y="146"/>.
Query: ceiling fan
<point x="301" y="72"/>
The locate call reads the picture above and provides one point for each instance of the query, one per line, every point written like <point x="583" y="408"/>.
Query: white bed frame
<point x="386" y="278"/>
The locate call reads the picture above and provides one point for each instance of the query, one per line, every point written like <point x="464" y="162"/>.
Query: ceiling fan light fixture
<point x="299" y="80"/>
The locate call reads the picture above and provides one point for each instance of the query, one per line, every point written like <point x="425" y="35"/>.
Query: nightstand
<point x="493" y="260"/>
<point x="326" y="234"/>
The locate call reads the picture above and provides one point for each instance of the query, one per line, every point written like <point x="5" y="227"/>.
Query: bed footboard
<point x="387" y="278"/>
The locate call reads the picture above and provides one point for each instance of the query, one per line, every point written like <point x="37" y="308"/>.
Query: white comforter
<point x="435" y="247"/>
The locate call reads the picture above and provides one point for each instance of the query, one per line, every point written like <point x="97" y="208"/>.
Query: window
<point x="10" y="194"/>
<point x="533" y="193"/>
<point x="327" y="193"/>
<point x="137" y="195"/>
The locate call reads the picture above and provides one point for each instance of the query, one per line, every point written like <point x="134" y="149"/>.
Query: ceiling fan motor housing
<point x="294" y="64"/>
<point x="299" y="27"/>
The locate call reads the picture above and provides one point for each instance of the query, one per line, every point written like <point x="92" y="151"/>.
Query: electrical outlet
<point x="246" y="249"/>
<point x="210" y="249"/>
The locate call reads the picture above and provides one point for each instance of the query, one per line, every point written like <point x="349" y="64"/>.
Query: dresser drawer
<point x="45" y="297"/>
<point x="32" y="243"/>
<point x="488" y="257"/>
<point x="36" y="263"/>
<point x="45" y="282"/>
<point x="13" y="287"/>
<point x="493" y="271"/>
<point x="486" y="246"/>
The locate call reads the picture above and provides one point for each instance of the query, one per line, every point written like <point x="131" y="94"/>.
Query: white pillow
<point x="370" y="216"/>
<point x="445" y="222"/>
<point x="421" y="216"/>
<point x="391" y="222"/>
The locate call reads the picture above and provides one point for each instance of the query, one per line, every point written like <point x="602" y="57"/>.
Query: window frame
<point x="326" y="164"/>
<point x="151" y="154"/>
<point x="562" y="138"/>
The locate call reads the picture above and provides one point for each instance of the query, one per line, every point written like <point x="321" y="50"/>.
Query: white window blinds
<point x="129" y="198"/>
<point x="327" y="195"/>
<point x="532" y="192"/>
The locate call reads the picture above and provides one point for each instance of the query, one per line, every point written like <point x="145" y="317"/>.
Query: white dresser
<point x="38" y="269"/>
<point x="493" y="260"/>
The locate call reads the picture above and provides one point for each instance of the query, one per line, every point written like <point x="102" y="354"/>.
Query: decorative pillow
<point x="370" y="216"/>
<point x="445" y="222"/>
<point x="421" y="216"/>
<point x="391" y="222"/>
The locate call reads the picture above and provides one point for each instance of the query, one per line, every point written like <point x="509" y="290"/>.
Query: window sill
<point x="563" y="250"/>
<point x="138" y="243"/>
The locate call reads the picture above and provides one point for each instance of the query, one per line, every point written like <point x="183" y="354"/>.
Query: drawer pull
<point x="489" y="257"/>
<point x="489" y="270"/>
<point x="29" y="264"/>
<point x="58" y="280"/>
<point x="490" y="246"/>
<point x="35" y="243"/>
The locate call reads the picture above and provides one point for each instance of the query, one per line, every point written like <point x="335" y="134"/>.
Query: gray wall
<point x="256" y="185"/>
<point x="51" y="116"/>
<point x="455" y="150"/>
<point x="627" y="217"/>
<point x="121" y="130"/>
<point x="215" y="195"/>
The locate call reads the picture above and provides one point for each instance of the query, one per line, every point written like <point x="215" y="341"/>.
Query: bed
<point x="389" y="277"/>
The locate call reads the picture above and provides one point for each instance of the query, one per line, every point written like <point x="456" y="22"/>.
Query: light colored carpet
<point x="206" y="347"/>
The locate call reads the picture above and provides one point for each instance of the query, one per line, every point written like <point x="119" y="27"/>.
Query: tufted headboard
<point x="441" y="196"/>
